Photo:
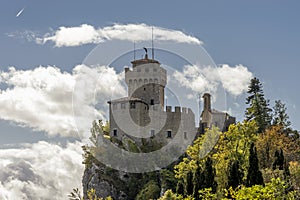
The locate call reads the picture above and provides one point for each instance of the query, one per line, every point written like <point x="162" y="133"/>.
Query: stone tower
<point x="146" y="81"/>
<point x="211" y="117"/>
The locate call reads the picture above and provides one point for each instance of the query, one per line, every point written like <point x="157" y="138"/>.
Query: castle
<point x="141" y="116"/>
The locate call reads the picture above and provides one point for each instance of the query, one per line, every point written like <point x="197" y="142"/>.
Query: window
<point x="152" y="102"/>
<point x="169" y="134"/>
<point x="115" y="132"/>
<point x="132" y="105"/>
<point x="185" y="135"/>
<point x="115" y="106"/>
<point x="138" y="69"/>
<point x="152" y="133"/>
<point x="123" y="106"/>
<point x="154" y="69"/>
<point x="147" y="70"/>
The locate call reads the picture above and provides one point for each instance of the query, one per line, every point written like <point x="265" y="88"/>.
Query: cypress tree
<point x="286" y="172"/>
<point x="197" y="182"/>
<point x="209" y="175"/>
<point x="235" y="175"/>
<point x="188" y="189"/>
<point x="279" y="160"/>
<point x="180" y="188"/>
<point x="254" y="176"/>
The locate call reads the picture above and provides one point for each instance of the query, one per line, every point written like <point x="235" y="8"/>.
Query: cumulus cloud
<point x="234" y="80"/>
<point x="41" y="98"/>
<point x="86" y="34"/>
<point x="40" y="171"/>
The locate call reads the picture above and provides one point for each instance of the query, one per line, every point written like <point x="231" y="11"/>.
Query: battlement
<point x="178" y="109"/>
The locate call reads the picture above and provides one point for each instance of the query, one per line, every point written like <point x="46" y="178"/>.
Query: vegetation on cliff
<point x="258" y="158"/>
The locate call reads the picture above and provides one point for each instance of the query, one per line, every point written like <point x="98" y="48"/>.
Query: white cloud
<point x="28" y="35"/>
<point x="40" y="171"/>
<point x="192" y="77"/>
<point x="234" y="80"/>
<point x="41" y="98"/>
<point x="86" y="34"/>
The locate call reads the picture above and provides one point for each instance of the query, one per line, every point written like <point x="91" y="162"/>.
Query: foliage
<point x="209" y="175"/>
<point x="150" y="191"/>
<point x="279" y="160"/>
<point x="258" y="109"/>
<point x="273" y="190"/>
<point x="93" y="196"/>
<point x="132" y="147"/>
<point x="198" y="180"/>
<point x="188" y="183"/>
<point x="207" y="194"/>
<point x="180" y="187"/>
<point x="235" y="176"/>
<point x="75" y="195"/>
<point x="169" y="195"/>
<point x="232" y="150"/>
<point x="196" y="152"/>
<point x="280" y="117"/>
<point x="273" y="139"/>
<point x="168" y="180"/>
<point x="89" y="151"/>
<point x="254" y="176"/>
<point x="294" y="168"/>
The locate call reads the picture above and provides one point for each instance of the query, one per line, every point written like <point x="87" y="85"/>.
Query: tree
<point x="232" y="152"/>
<point x="258" y="109"/>
<point x="273" y="139"/>
<point x="280" y="117"/>
<point x="209" y="175"/>
<point x="276" y="189"/>
<point x="189" y="187"/>
<point x="150" y="191"/>
<point x="180" y="188"/>
<point x="254" y="176"/>
<point x="197" y="182"/>
<point x="279" y="160"/>
<point x="235" y="176"/>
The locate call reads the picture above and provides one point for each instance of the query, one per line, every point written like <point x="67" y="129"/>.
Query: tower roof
<point x="145" y="60"/>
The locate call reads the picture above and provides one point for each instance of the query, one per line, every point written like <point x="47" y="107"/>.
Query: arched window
<point x="135" y="83"/>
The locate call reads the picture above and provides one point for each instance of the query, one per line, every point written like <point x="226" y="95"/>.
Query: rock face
<point x="105" y="181"/>
<point x="116" y="184"/>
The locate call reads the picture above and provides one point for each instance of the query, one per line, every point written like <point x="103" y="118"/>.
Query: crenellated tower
<point x="146" y="81"/>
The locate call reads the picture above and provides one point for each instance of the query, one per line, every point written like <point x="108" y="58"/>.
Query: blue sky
<point x="261" y="35"/>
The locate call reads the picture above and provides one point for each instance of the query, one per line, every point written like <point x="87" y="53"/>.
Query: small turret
<point x="207" y="102"/>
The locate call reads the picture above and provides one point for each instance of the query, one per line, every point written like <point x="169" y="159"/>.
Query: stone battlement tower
<point x="141" y="116"/>
<point x="146" y="81"/>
